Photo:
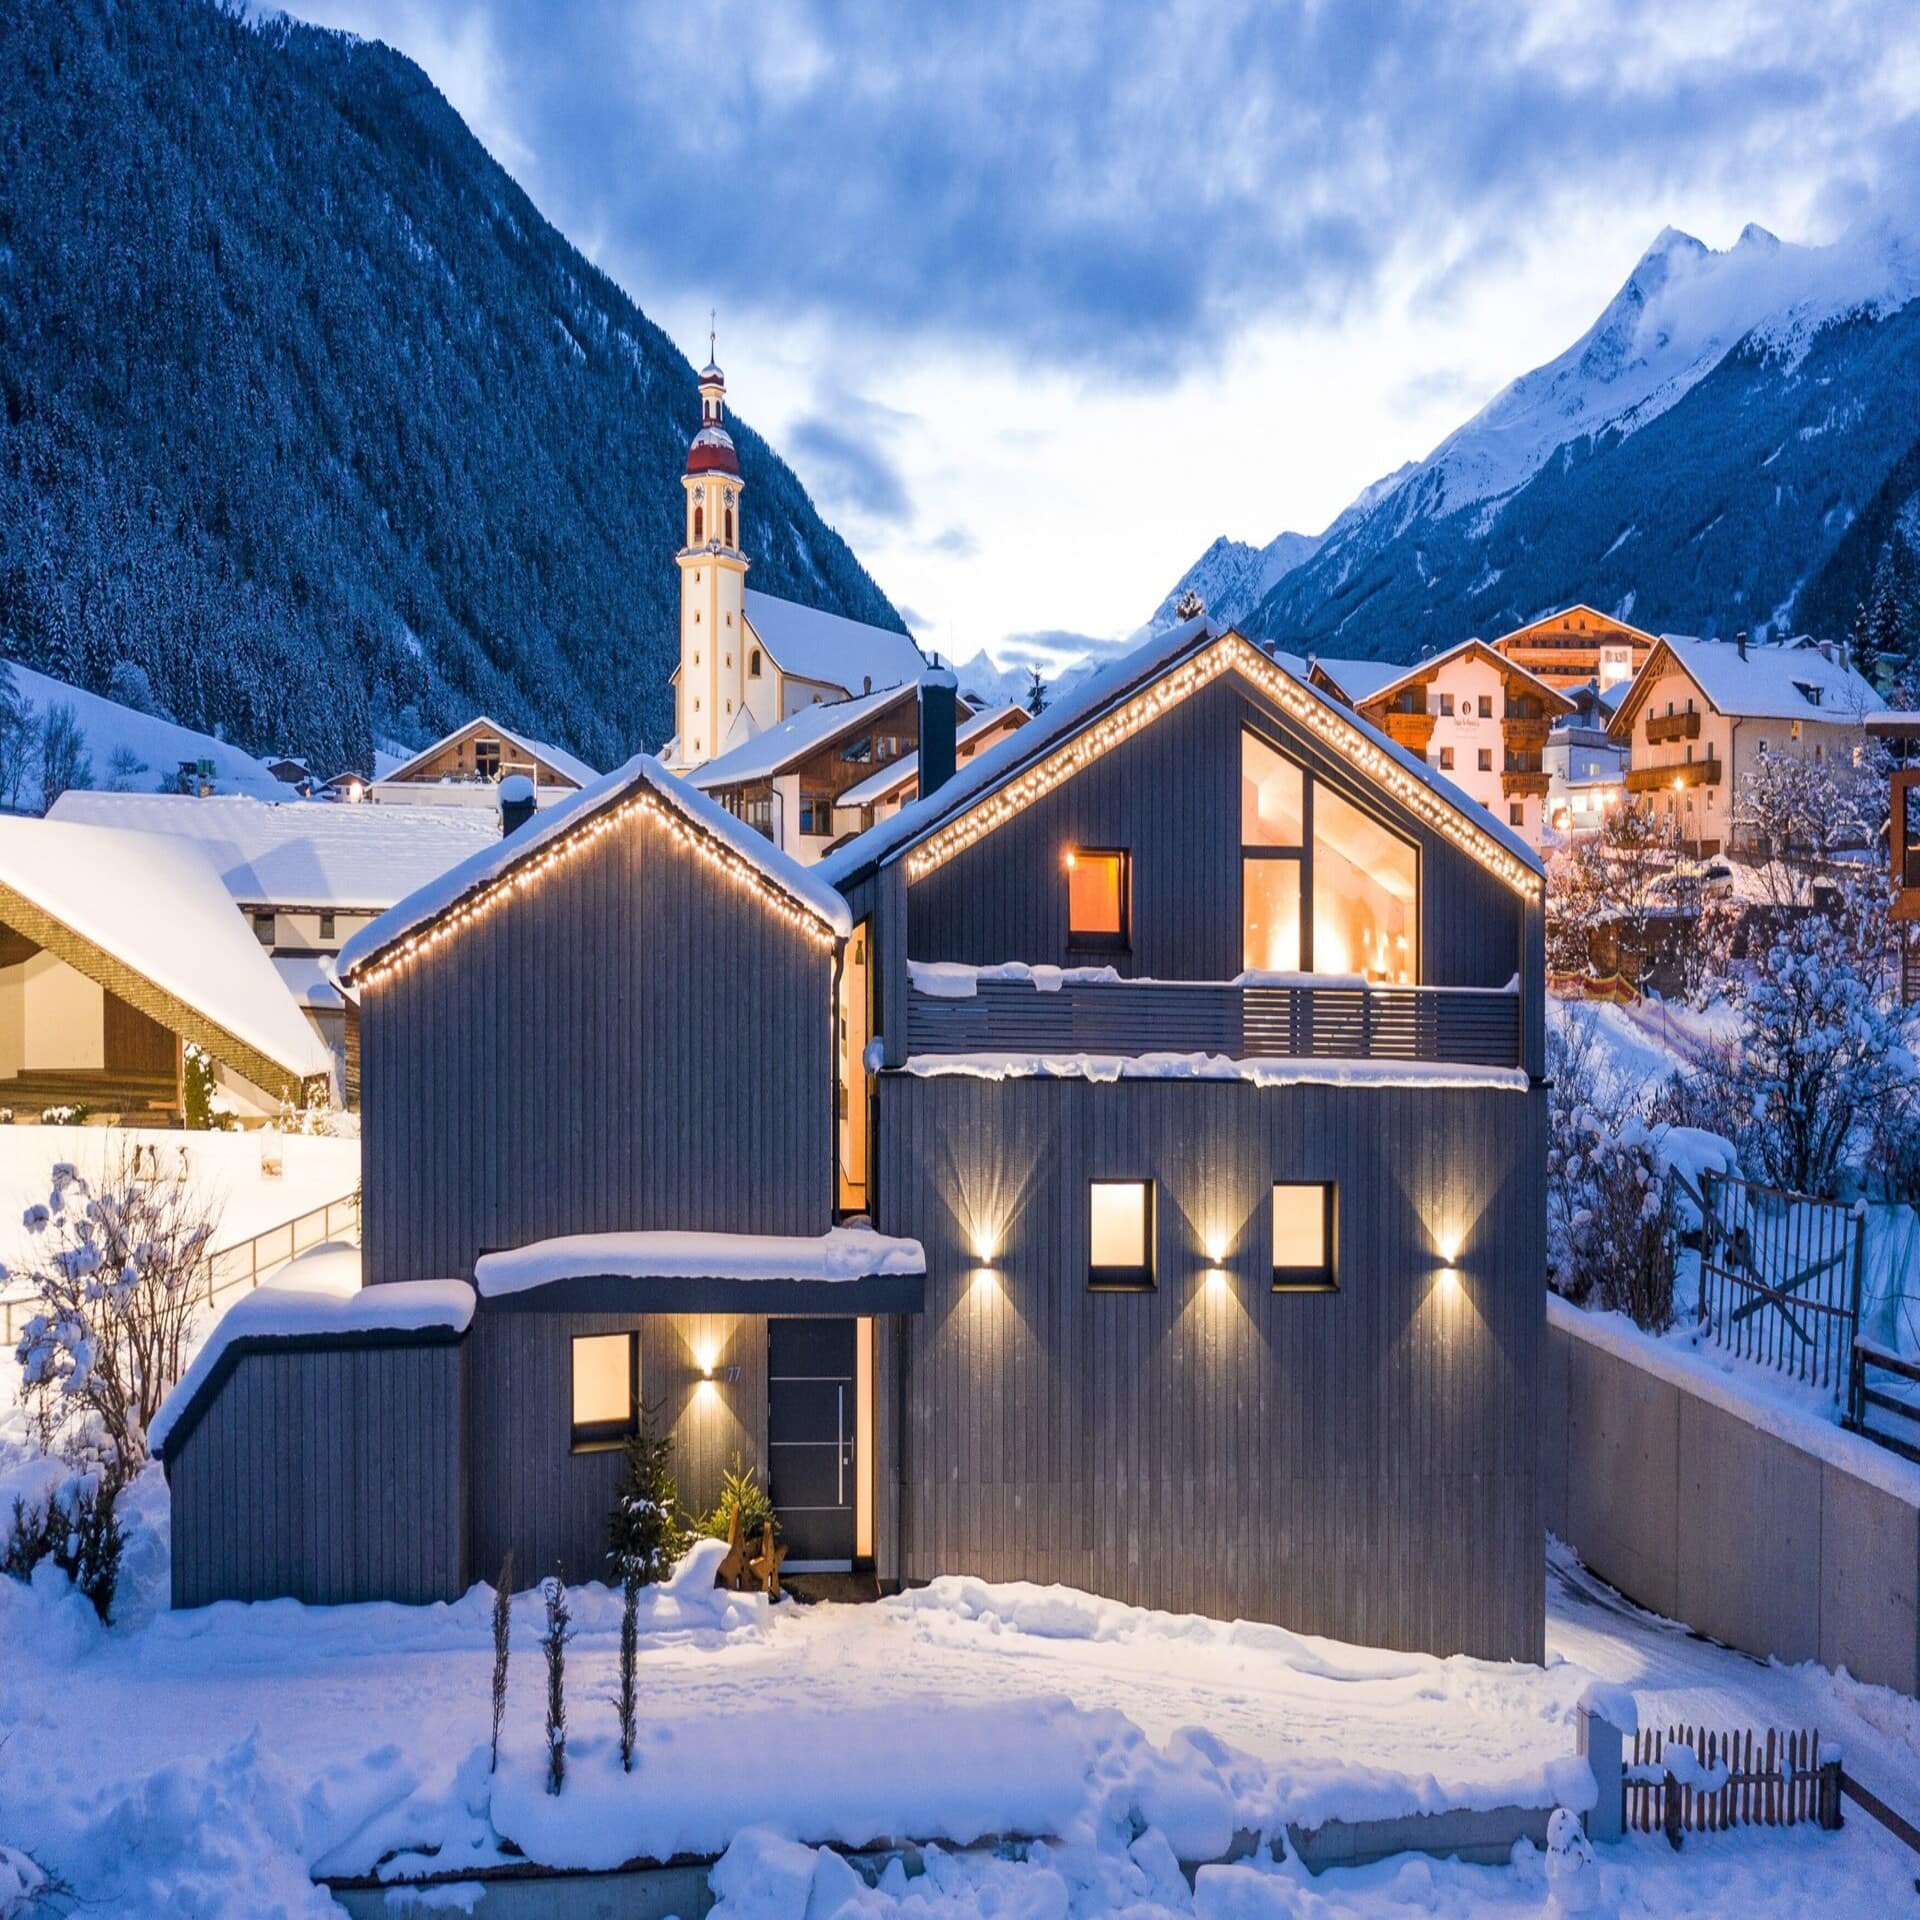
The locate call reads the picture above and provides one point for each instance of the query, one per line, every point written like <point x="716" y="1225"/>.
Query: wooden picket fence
<point x="1773" y="1780"/>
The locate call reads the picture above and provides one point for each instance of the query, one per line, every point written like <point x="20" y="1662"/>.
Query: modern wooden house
<point x="1123" y="1166"/>
<point x="1701" y="713"/>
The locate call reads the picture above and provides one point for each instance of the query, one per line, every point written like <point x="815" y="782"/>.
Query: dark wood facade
<point x="637" y="1043"/>
<point x="1360" y="1463"/>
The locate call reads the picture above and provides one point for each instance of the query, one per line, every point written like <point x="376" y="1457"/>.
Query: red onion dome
<point x="712" y="452"/>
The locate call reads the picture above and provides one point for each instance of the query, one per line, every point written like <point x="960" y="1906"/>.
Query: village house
<point x="897" y="783"/>
<point x="464" y="768"/>
<point x="1122" y="1166"/>
<point x="1701" y="713"/>
<point x="1575" y="646"/>
<point x="1475" y="715"/>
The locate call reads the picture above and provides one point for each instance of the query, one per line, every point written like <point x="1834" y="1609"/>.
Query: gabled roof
<point x="558" y="758"/>
<point x="300" y="853"/>
<point x="1427" y="668"/>
<point x="905" y="771"/>
<point x="479" y="884"/>
<point x="1010" y="775"/>
<point x="830" y="648"/>
<point x="1771" y="683"/>
<point x="796" y="738"/>
<point x="148" y="918"/>
<point x="1354" y="680"/>
<point x="1604" y="621"/>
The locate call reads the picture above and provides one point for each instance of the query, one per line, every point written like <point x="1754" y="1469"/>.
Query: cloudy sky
<point x="1039" y="300"/>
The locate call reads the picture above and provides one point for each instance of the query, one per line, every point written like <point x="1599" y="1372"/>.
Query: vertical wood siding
<point x="530" y="1492"/>
<point x="1170" y="795"/>
<point x="636" y="1042"/>
<point x="326" y="1476"/>
<point x="1362" y="1464"/>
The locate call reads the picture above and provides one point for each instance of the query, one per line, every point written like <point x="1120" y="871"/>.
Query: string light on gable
<point x="530" y="872"/>
<point x="1319" y="718"/>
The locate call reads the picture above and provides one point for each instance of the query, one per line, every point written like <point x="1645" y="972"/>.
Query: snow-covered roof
<point x="903" y="772"/>
<point x="1358" y="679"/>
<point x="158" y="746"/>
<point x="829" y="647"/>
<point x="558" y="758"/>
<point x="776" y="748"/>
<point x="309" y="978"/>
<point x="316" y="1297"/>
<point x="157" y="906"/>
<point x="1425" y="669"/>
<point x="301" y="853"/>
<point x="841" y="1254"/>
<point x="1109" y="687"/>
<point x="1777" y="681"/>
<point x="1288" y="1071"/>
<point x="477" y="874"/>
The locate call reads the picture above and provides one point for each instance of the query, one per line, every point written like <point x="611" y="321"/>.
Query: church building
<point x="750" y="661"/>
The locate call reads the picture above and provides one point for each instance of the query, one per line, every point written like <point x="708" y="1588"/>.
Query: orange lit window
<point x="1303" y="1236"/>
<point x="1096" y="898"/>
<point x="606" y="1389"/>
<point x="1120" y="1230"/>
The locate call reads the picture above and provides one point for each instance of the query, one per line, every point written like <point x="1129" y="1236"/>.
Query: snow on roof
<point x="827" y="646"/>
<point x="318" y="1296"/>
<point x="1769" y="684"/>
<point x="301" y="853"/>
<point x="1257" y="1072"/>
<point x="843" y="1253"/>
<point x="1419" y="670"/>
<point x="500" y="856"/>
<point x="1358" y="679"/>
<point x="157" y="905"/>
<point x="905" y="770"/>
<point x="1124" y="676"/>
<point x="558" y="758"/>
<point x="159" y="746"/>
<point x="776" y="748"/>
<point x="309" y="978"/>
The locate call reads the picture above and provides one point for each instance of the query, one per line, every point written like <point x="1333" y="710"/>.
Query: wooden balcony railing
<point x="1461" y="1026"/>
<point x="1662" y="727"/>
<point x="1678" y="773"/>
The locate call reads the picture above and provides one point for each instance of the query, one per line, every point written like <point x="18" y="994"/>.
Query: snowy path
<point x="223" y="1753"/>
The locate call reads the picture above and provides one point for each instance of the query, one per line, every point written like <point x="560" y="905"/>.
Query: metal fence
<point x="1780" y="1278"/>
<point x="241" y="1267"/>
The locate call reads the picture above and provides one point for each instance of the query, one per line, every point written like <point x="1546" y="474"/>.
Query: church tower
<point x="713" y="583"/>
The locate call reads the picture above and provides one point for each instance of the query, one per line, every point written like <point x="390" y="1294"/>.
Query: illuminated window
<point x="1270" y="910"/>
<point x="1273" y="797"/>
<point x="1120" y="1219"/>
<point x="1366" y="893"/>
<point x="606" y="1389"/>
<point x="1096" y="897"/>
<point x="1273" y="837"/>
<point x="1303" y="1236"/>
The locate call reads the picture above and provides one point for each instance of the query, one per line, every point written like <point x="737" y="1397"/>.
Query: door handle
<point x="840" y="1446"/>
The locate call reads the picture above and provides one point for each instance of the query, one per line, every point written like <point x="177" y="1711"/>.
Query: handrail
<point x="243" y="1264"/>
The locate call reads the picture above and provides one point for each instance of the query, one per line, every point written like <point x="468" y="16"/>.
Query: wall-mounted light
<point x="1448" y="1279"/>
<point x="1217" y="1279"/>
<point x="1216" y="1244"/>
<point x="986" y="1245"/>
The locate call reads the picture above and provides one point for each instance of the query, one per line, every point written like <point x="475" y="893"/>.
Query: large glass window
<point x="1096" y="897"/>
<point x="1365" y="893"/>
<point x="1324" y="887"/>
<point x="1120" y="1221"/>
<point x="1303" y="1236"/>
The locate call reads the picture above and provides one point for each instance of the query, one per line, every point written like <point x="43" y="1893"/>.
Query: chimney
<point x="516" y="797"/>
<point x="1740" y="641"/>
<point x="938" y="693"/>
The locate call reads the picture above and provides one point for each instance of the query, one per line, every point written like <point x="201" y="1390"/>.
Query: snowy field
<point x="209" y="1763"/>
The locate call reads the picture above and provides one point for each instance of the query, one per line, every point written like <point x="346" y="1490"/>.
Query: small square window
<point x="1096" y="898"/>
<point x="1486" y="759"/>
<point x="1446" y="706"/>
<point x="326" y="927"/>
<point x="1516" y="813"/>
<point x="263" y="928"/>
<point x="1446" y="759"/>
<point x="486" y="759"/>
<point x="1303" y="1237"/>
<point x="1120" y="1221"/>
<point x="1486" y="706"/>
<point x="606" y="1389"/>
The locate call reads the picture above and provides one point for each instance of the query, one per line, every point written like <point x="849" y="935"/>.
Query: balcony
<point x="1460" y="1026"/>
<point x="1526" y="732"/>
<point x="1663" y="727"/>
<point x="1677" y="773"/>
<point x="1412" y="730"/>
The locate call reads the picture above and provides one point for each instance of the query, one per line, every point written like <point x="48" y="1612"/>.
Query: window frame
<point x="1324" y="1278"/>
<point x="603" y="1436"/>
<point x="1121" y="942"/>
<point x="489" y="756"/>
<point x="1141" y="1279"/>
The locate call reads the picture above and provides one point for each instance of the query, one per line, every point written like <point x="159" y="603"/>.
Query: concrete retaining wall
<point x="1800" y="1551"/>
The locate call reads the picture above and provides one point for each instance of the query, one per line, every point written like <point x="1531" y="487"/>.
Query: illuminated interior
<point x="1270" y="904"/>
<point x="1366" y="891"/>
<point x="1273" y="797"/>
<point x="1097" y="896"/>
<point x="604" y="1388"/>
<point x="1121" y="1219"/>
<point x="1302" y="1252"/>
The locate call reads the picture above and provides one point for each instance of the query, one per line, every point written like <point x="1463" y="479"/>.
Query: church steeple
<point x="713" y="577"/>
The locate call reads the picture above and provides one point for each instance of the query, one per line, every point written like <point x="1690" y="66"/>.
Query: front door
<point x="812" y="1411"/>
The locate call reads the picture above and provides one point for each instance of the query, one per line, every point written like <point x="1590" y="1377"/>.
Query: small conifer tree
<point x="554" y="1644"/>
<point x="646" y="1534"/>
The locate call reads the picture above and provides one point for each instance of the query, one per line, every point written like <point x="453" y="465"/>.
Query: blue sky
<point x="1038" y="300"/>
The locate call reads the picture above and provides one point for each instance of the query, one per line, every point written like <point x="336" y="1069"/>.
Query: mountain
<point x="1694" y="461"/>
<point x="307" y="413"/>
<point x="1233" y="577"/>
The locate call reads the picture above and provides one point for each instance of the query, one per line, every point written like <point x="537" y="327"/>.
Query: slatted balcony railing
<point x="1662" y="727"/>
<point x="1460" y="1026"/>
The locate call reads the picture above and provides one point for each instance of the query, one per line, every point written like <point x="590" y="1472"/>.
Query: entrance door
<point x="812" y="1419"/>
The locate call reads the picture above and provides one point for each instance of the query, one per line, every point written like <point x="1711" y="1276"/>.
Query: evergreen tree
<point x="1036" y="693"/>
<point x="646" y="1533"/>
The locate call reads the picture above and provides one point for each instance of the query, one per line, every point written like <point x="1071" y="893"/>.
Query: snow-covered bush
<point x="22" y="1884"/>
<point x="208" y="1105"/>
<point x="1792" y="814"/>
<point x="645" y="1533"/>
<point x="114" y="1276"/>
<point x="78" y="1529"/>
<point x="1610" y="1229"/>
<point x="741" y="1493"/>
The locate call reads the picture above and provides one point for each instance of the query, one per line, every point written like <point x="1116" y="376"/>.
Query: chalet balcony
<point x="1663" y="727"/>
<point x="1526" y="732"/>
<point x="1410" y="729"/>
<point x="1518" y="781"/>
<point x="1678" y="773"/>
<point x="1459" y="1026"/>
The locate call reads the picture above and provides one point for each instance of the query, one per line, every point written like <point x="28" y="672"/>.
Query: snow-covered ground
<point x="208" y="1763"/>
